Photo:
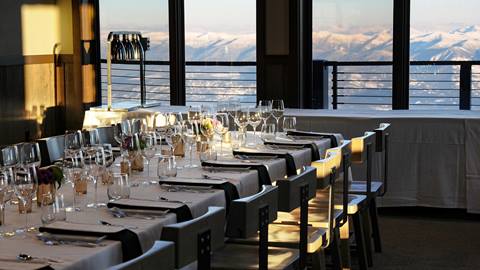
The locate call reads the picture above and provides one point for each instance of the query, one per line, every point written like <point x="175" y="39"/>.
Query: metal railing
<point x="433" y="84"/>
<point x="205" y="82"/>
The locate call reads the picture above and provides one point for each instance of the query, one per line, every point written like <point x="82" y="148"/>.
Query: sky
<point x="239" y="15"/>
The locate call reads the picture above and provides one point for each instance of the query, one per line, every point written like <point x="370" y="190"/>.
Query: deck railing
<point x="433" y="84"/>
<point x="205" y="82"/>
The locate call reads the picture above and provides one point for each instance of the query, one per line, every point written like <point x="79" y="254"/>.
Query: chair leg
<point x="345" y="245"/>
<point x="375" y="226"/>
<point x="318" y="260"/>
<point x="367" y="235"/>
<point x="336" y="254"/>
<point x="360" y="240"/>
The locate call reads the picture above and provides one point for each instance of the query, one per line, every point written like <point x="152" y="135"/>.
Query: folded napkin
<point x="263" y="175"/>
<point x="131" y="247"/>
<point x="312" y="145"/>
<point x="231" y="192"/>
<point x="334" y="138"/>
<point x="290" y="161"/>
<point x="181" y="210"/>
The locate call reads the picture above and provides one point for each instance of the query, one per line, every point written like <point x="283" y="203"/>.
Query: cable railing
<point x="205" y="82"/>
<point x="433" y="84"/>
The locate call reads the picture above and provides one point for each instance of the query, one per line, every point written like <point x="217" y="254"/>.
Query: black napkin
<point x="290" y="161"/>
<point x="263" y="175"/>
<point x="183" y="212"/>
<point x="333" y="139"/>
<point x="312" y="146"/>
<point x="131" y="247"/>
<point x="231" y="192"/>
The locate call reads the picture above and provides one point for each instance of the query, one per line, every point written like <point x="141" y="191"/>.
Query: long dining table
<point x="144" y="190"/>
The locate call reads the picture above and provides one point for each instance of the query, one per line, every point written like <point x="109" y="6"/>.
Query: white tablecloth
<point x="434" y="156"/>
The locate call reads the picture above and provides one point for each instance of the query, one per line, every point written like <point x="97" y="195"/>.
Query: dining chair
<point x="196" y="238"/>
<point x="160" y="256"/>
<point x="51" y="149"/>
<point x="294" y="192"/>
<point x="323" y="212"/>
<point x="374" y="188"/>
<point x="251" y="217"/>
<point x="106" y="135"/>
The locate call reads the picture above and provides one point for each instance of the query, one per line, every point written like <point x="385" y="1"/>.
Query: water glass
<point x="205" y="152"/>
<point x="167" y="167"/>
<point x="120" y="188"/>
<point x="289" y="123"/>
<point x="268" y="132"/>
<point x="48" y="208"/>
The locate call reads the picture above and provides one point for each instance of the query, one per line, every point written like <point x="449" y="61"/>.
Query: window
<point x="442" y="32"/>
<point x="220" y="50"/>
<point x="150" y="17"/>
<point x="358" y="32"/>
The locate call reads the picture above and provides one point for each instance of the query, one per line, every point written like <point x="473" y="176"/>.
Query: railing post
<point x="334" y="86"/>
<point x="465" y="86"/>
<point x="319" y="85"/>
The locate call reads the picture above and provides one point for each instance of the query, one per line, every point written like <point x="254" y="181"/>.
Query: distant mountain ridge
<point x="457" y="44"/>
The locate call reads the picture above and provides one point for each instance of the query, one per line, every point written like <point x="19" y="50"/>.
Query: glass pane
<point x="356" y="31"/>
<point x="442" y="32"/>
<point x="220" y="31"/>
<point x="151" y="19"/>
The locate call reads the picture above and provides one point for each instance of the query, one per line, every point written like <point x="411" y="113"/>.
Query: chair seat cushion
<point x="360" y="187"/>
<point x="236" y="256"/>
<point x="287" y="235"/>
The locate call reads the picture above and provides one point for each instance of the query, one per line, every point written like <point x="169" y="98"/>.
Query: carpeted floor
<point x="423" y="238"/>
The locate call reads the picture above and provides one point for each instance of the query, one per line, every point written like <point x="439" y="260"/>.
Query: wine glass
<point x="97" y="165"/>
<point x="29" y="154"/>
<point x="289" y="123"/>
<point x="148" y="147"/>
<point x="220" y="126"/>
<point x="73" y="142"/>
<point x="232" y="109"/>
<point x="207" y="128"/>
<point x="277" y="111"/>
<point x="91" y="139"/>
<point x="6" y="190"/>
<point x="25" y="185"/>
<point x="190" y="136"/>
<point x="265" y="107"/>
<point x="254" y="119"/>
<point x="74" y="171"/>
<point x="194" y="114"/>
<point x="241" y="119"/>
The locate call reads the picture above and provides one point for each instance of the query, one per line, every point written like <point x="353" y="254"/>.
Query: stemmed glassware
<point x="220" y="126"/>
<point x="190" y="136"/>
<point x="265" y="108"/>
<point x="254" y="120"/>
<point x="91" y="140"/>
<point x="241" y="119"/>
<point x="148" y="147"/>
<point x="277" y="111"/>
<point x="6" y="190"/>
<point x="25" y="185"/>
